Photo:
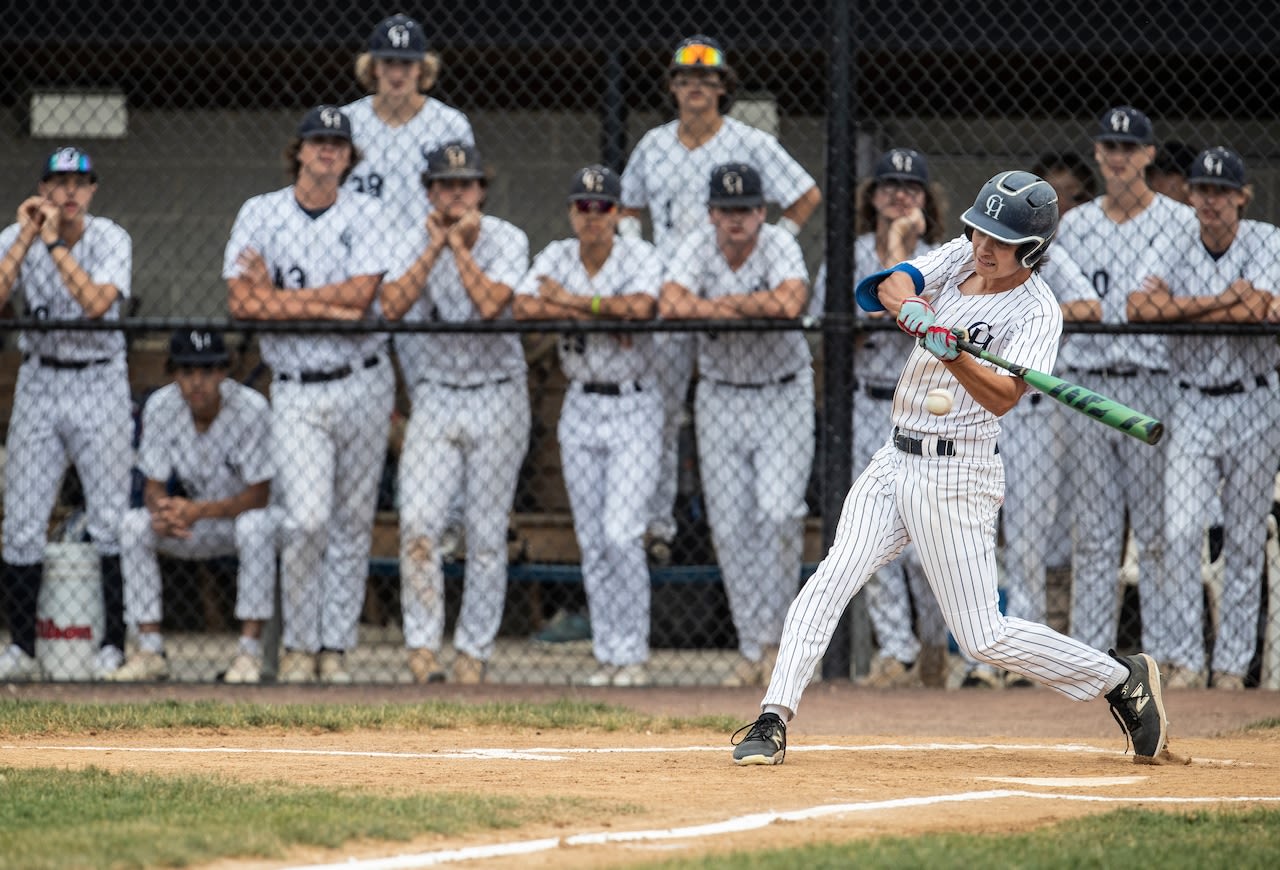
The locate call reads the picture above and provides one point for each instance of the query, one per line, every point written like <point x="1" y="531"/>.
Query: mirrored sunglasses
<point x="594" y="206"/>
<point x="698" y="55"/>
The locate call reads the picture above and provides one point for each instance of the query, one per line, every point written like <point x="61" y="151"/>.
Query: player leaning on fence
<point x="314" y="251"/>
<point x="72" y="397"/>
<point x="938" y="480"/>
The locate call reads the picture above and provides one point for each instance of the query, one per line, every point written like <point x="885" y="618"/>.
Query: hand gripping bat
<point x="1106" y="411"/>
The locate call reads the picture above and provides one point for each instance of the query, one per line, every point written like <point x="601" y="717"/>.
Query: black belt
<point x="915" y="446"/>
<point x="1230" y="389"/>
<point x="785" y="379"/>
<point x="478" y="386"/>
<point x="331" y="375"/>
<point x="52" y="362"/>
<point x="602" y="389"/>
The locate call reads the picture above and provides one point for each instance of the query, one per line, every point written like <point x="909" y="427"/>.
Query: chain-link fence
<point x="598" y="419"/>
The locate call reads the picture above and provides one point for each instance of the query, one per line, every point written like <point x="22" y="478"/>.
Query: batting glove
<point x="915" y="316"/>
<point x="942" y="343"/>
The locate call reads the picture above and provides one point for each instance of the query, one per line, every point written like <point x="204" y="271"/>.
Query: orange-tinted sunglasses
<point x="698" y="55"/>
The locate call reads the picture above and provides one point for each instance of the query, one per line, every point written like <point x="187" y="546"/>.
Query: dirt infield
<point x="861" y="763"/>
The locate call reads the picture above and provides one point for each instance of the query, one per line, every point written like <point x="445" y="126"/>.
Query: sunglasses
<point x="594" y="206"/>
<point x="698" y="55"/>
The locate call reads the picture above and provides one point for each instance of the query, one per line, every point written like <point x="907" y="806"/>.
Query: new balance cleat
<point x="1136" y="704"/>
<point x="765" y="741"/>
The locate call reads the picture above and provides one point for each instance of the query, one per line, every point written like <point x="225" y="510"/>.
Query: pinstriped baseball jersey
<point x="502" y="252"/>
<point x="301" y="251"/>
<point x="1190" y="270"/>
<point x="743" y="357"/>
<point x="671" y="181"/>
<point x="105" y="252"/>
<point x="233" y="453"/>
<point x="1110" y="256"/>
<point x="1022" y="325"/>
<point x="632" y="267"/>
<point x="393" y="158"/>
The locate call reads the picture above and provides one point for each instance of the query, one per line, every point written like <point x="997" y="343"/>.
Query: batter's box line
<point x="740" y="824"/>
<point x="565" y="753"/>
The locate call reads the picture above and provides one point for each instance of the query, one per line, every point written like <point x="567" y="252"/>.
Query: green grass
<point x="52" y="819"/>
<point x="1126" y="838"/>
<point x="21" y="717"/>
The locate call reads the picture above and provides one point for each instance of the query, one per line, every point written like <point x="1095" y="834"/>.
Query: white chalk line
<point x="739" y="824"/>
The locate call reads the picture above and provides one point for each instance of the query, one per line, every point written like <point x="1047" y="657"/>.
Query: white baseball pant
<point x="677" y="351"/>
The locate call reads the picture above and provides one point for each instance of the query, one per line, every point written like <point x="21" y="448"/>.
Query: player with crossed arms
<point x="939" y="481"/>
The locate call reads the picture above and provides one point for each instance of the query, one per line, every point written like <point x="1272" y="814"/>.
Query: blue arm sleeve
<point x="865" y="292"/>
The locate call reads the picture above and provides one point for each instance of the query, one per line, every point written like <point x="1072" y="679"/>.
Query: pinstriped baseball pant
<point x="948" y="507"/>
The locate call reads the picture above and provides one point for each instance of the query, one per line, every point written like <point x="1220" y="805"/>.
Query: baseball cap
<point x="902" y="164"/>
<point x="325" y="121"/>
<point x="1124" y="124"/>
<point x="197" y="347"/>
<point x="68" y="160"/>
<point x="398" y="38"/>
<point x="596" y="182"/>
<point x="1218" y="166"/>
<point x="698" y="51"/>
<point x="454" y="160"/>
<point x="735" y="185"/>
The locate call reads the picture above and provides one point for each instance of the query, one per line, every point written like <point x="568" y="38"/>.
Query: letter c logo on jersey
<point x="995" y="205"/>
<point x="980" y="334"/>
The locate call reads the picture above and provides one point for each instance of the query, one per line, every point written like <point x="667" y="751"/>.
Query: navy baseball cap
<point x="902" y="164"/>
<point x="398" y="38"/>
<point x="454" y="160"/>
<point x="1218" y="166"/>
<point x="68" y="161"/>
<point x="596" y="182"/>
<point x="198" y="347"/>
<point x="1125" y="124"/>
<point x="325" y="121"/>
<point x="735" y="185"/>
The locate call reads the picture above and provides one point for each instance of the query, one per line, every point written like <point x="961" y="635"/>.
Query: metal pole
<point x="613" y="111"/>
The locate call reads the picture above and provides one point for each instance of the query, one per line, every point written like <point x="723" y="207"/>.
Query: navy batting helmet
<point x="1017" y="208"/>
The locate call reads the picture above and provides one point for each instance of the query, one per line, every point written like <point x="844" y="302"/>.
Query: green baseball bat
<point x="1106" y="411"/>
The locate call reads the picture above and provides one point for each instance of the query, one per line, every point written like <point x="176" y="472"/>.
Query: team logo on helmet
<point x="331" y="117"/>
<point x="200" y="340"/>
<point x="592" y="181"/>
<point x="995" y="205"/>
<point x="1212" y="164"/>
<point x="732" y="183"/>
<point x="456" y="157"/>
<point x="398" y="36"/>
<point x="1119" y="121"/>
<point x="901" y="161"/>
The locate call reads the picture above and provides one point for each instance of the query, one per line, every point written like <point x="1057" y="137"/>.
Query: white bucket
<point x="69" y="619"/>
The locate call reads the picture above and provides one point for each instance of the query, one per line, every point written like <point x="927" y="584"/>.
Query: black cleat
<point x="1137" y="706"/>
<point x="765" y="743"/>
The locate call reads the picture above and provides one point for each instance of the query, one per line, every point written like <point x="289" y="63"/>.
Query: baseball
<point x="939" y="401"/>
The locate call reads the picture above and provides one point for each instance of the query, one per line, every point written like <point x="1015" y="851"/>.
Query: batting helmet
<point x="1017" y="208"/>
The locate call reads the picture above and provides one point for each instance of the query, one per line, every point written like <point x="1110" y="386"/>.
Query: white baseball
<point x="939" y="401"/>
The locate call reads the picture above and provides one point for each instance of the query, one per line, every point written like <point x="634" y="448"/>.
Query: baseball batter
<point x="72" y="399"/>
<point x="1108" y="238"/>
<point x="205" y="454"/>
<point x="901" y="215"/>
<point x="610" y="424"/>
<point x="667" y="174"/>
<point x="313" y="251"/>
<point x="470" y="424"/>
<point x="1225" y="426"/>
<point x="938" y="481"/>
<point x="754" y="405"/>
<point x="398" y="125"/>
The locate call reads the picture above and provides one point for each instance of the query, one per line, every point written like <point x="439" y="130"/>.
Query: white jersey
<point x="632" y="267"/>
<point x="393" y="158"/>
<point x="461" y="359"/>
<point x="1190" y="271"/>
<point x="672" y="181"/>
<point x="743" y="357"/>
<point x="1022" y="325"/>
<point x="301" y="251"/>
<point x="1110" y="256"/>
<point x="105" y="252"/>
<point x="232" y="454"/>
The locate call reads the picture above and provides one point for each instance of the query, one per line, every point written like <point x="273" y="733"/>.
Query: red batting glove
<point x="915" y="316"/>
